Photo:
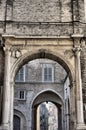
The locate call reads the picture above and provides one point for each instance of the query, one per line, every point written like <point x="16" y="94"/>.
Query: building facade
<point x="42" y="29"/>
<point x="46" y="75"/>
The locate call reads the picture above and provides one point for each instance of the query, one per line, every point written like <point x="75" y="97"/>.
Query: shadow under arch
<point x="47" y="96"/>
<point x="55" y="97"/>
<point x="44" y="54"/>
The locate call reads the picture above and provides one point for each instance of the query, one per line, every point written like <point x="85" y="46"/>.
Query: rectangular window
<point x="20" y="77"/>
<point x="22" y="95"/>
<point x="48" y="73"/>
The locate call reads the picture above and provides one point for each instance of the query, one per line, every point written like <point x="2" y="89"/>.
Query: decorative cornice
<point x="27" y="37"/>
<point x="77" y="35"/>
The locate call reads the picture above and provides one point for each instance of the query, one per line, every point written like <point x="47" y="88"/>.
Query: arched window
<point x="16" y="123"/>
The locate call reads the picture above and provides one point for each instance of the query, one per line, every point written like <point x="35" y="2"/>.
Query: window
<point x="20" y="77"/>
<point x="22" y="95"/>
<point x="48" y="73"/>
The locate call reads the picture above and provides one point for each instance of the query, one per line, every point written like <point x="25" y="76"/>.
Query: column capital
<point x="7" y="50"/>
<point x="7" y="44"/>
<point x="77" y="50"/>
<point x="73" y="83"/>
<point x="79" y="43"/>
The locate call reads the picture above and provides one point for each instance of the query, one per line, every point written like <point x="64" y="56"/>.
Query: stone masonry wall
<point x="34" y="71"/>
<point x="83" y="73"/>
<point x="2" y="9"/>
<point x="1" y="65"/>
<point x="42" y="18"/>
<point x="42" y="10"/>
<point x="83" y="69"/>
<point x="2" y="15"/>
<point x="1" y="78"/>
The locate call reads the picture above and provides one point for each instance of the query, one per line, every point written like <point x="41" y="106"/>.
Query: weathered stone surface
<point x="26" y="17"/>
<point x="22" y="19"/>
<point x="41" y="11"/>
<point x="2" y="10"/>
<point x="1" y="65"/>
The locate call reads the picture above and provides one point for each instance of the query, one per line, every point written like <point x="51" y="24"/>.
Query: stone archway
<point x="43" y="54"/>
<point x="16" y="56"/>
<point x="25" y="58"/>
<point x="47" y="96"/>
<point x="48" y="55"/>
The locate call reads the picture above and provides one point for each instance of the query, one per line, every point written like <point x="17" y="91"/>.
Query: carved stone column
<point x="72" y="106"/>
<point x="6" y="91"/>
<point x="85" y="9"/>
<point x="79" y="101"/>
<point x="11" y="105"/>
<point x="38" y="118"/>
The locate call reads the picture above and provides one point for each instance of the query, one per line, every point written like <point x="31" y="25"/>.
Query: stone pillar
<point x="72" y="106"/>
<point x="79" y="101"/>
<point x="85" y="9"/>
<point x="79" y="89"/>
<point x="34" y="117"/>
<point x="11" y="105"/>
<point x="59" y="118"/>
<point x="38" y="118"/>
<point x="6" y="92"/>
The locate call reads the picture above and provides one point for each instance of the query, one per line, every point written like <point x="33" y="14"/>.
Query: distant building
<point x="42" y="73"/>
<point x="43" y="117"/>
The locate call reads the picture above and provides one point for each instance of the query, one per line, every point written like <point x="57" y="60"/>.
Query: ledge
<point x="34" y="36"/>
<point x="77" y="35"/>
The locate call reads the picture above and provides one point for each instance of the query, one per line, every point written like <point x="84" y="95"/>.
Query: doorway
<point x="16" y="122"/>
<point x="41" y="81"/>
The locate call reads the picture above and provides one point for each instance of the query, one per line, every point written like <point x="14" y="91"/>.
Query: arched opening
<point x="43" y="54"/>
<point x="61" y="85"/>
<point x="47" y="116"/>
<point x="19" y="120"/>
<point x="16" y="122"/>
<point x="47" y="111"/>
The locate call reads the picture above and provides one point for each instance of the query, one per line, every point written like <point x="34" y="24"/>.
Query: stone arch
<point x="43" y="54"/>
<point x="22" y="118"/>
<point x="47" y="96"/>
<point x="29" y="56"/>
<point x="47" y="90"/>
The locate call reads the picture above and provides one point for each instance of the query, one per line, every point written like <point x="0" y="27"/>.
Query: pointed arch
<point x="41" y="97"/>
